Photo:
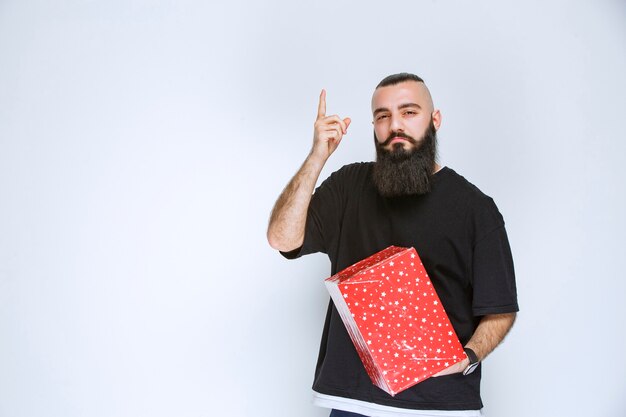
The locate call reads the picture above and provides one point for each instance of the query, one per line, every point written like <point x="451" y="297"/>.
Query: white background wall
<point x="143" y="143"/>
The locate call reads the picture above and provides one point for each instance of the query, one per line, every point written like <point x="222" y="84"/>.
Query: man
<point x="407" y="199"/>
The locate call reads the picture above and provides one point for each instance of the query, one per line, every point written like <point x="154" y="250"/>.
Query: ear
<point x="436" y="119"/>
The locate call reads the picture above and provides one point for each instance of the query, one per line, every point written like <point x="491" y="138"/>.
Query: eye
<point x="382" y="116"/>
<point x="410" y="113"/>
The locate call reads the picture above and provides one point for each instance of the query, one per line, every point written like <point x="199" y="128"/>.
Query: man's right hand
<point x="285" y="231"/>
<point x="328" y="130"/>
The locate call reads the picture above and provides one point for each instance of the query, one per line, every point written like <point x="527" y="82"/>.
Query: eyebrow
<point x="405" y="105"/>
<point x="400" y="107"/>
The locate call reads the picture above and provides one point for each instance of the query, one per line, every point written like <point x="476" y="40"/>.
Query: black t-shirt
<point x="459" y="235"/>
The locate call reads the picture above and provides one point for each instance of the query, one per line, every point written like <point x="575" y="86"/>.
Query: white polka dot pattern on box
<point x="395" y="319"/>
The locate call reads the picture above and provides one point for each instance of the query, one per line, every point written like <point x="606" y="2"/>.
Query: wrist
<point x="472" y="361"/>
<point x="317" y="159"/>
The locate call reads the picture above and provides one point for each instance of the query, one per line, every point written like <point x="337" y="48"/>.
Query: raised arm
<point x="287" y="221"/>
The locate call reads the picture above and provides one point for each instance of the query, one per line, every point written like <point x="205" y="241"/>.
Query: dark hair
<point x="398" y="78"/>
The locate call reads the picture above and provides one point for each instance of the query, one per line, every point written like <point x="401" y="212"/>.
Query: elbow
<point x="280" y="243"/>
<point x="273" y="240"/>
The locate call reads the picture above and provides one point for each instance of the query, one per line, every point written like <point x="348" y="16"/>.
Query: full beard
<point x="399" y="172"/>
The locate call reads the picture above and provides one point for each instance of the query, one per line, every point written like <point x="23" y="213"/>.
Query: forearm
<point x="490" y="332"/>
<point x="288" y="219"/>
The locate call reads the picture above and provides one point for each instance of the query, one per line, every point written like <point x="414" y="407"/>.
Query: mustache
<point x="394" y="135"/>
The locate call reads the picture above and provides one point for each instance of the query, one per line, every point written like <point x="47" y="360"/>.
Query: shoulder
<point x="479" y="204"/>
<point x="355" y="169"/>
<point x="351" y="174"/>
<point x="465" y="188"/>
<point x="342" y="183"/>
<point x="457" y="180"/>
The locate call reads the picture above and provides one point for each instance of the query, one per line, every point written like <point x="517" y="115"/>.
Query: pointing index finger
<point x="321" y="108"/>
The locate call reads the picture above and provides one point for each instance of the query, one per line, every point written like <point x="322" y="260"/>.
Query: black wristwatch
<point x="473" y="361"/>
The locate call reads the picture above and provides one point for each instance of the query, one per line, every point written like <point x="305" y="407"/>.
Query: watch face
<point x="470" y="368"/>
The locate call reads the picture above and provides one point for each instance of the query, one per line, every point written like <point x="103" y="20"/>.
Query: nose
<point x="396" y="124"/>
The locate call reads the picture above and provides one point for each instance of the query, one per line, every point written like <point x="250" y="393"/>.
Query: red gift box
<point x="395" y="319"/>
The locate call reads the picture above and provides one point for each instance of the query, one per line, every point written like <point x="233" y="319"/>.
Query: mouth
<point x="397" y="139"/>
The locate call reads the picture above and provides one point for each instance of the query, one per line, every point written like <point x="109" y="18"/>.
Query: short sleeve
<point x="493" y="274"/>
<point x="323" y="218"/>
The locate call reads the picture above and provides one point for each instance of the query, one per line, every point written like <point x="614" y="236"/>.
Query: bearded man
<point x="407" y="199"/>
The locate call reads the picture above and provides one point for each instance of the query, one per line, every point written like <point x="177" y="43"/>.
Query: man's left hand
<point x="454" y="369"/>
